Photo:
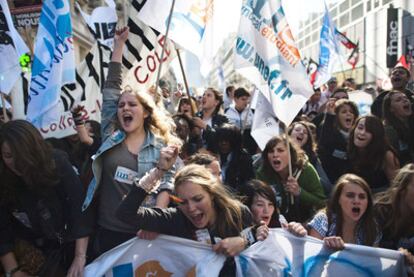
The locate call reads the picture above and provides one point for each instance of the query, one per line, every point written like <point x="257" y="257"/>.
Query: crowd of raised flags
<point x="265" y="53"/>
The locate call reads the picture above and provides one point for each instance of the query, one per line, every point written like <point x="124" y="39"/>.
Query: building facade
<point x="364" y="21"/>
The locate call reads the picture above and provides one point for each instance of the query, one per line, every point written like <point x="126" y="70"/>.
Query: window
<point x="385" y="2"/>
<point x="354" y="2"/>
<point x="334" y="12"/>
<point x="344" y="19"/>
<point x="307" y="41"/>
<point x="344" y="6"/>
<point x="315" y="36"/>
<point x="357" y="12"/>
<point x="369" y="5"/>
<point x="376" y="3"/>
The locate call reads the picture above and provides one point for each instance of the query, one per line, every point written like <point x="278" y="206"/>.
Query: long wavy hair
<point x="157" y="122"/>
<point x="341" y="103"/>
<point x="229" y="219"/>
<point x="190" y="101"/>
<point x="373" y="154"/>
<point x="366" y="223"/>
<point x="392" y="203"/>
<point x="297" y="155"/>
<point x="310" y="147"/>
<point x="32" y="159"/>
<point x="403" y="130"/>
<point x="255" y="188"/>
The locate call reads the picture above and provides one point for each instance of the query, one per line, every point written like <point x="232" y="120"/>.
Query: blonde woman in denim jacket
<point x="131" y="148"/>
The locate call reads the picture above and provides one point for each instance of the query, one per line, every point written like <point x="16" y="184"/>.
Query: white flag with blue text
<point x="329" y="51"/>
<point x="164" y="256"/>
<point x="267" y="55"/>
<point x="283" y="254"/>
<point x="54" y="60"/>
<point x="12" y="47"/>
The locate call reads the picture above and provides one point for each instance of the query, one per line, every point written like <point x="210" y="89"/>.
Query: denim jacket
<point x="150" y="151"/>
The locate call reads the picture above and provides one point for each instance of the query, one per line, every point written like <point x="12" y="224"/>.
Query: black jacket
<point x="209" y="133"/>
<point x="333" y="149"/>
<point x="24" y="217"/>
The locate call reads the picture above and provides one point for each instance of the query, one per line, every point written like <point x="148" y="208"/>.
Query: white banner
<point x="102" y="22"/>
<point x="199" y="26"/>
<point x="266" y="54"/>
<point x="54" y="60"/>
<point x="283" y="254"/>
<point x="142" y="55"/>
<point x="264" y="125"/>
<point x="164" y="256"/>
<point x="90" y="77"/>
<point x="12" y="47"/>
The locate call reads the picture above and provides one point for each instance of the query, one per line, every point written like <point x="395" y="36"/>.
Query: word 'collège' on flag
<point x="197" y="26"/>
<point x="142" y="55"/>
<point x="54" y="60"/>
<point x="266" y="54"/>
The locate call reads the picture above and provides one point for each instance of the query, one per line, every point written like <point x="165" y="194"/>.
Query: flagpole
<point x="182" y="70"/>
<point x="292" y="199"/>
<point x="164" y="45"/>
<point x="3" y="102"/>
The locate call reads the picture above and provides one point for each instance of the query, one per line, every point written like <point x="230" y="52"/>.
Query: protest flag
<point x="345" y="40"/>
<point x="329" y="52"/>
<point x="54" y="60"/>
<point x="197" y="26"/>
<point x="102" y="22"/>
<point x="354" y="56"/>
<point x="266" y="54"/>
<point x="312" y="70"/>
<point x="402" y="62"/>
<point x="142" y="54"/>
<point x="13" y="47"/>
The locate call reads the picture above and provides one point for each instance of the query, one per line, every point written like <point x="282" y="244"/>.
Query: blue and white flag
<point x="329" y="52"/>
<point x="164" y="256"/>
<point x="283" y="254"/>
<point x="54" y="60"/>
<point x="267" y="55"/>
<point x="12" y="47"/>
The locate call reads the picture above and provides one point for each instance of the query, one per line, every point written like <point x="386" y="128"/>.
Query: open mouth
<point x="348" y="120"/>
<point x="197" y="219"/>
<point x="265" y="218"/>
<point x="299" y="138"/>
<point x="127" y="119"/>
<point x="356" y="211"/>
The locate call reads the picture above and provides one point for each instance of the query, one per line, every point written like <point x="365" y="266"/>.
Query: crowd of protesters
<point x="158" y="163"/>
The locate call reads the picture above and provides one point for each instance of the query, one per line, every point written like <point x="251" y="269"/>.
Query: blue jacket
<point x="150" y="151"/>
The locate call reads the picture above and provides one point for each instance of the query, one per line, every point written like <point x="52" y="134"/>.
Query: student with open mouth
<point x="261" y="200"/>
<point x="371" y="156"/>
<point x="206" y="212"/>
<point x="135" y="132"/>
<point x="399" y="125"/>
<point x="297" y="196"/>
<point x="333" y="137"/>
<point x="301" y="134"/>
<point x="349" y="216"/>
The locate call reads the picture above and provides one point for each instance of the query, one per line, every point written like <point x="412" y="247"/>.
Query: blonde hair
<point x="229" y="220"/>
<point x="157" y="122"/>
